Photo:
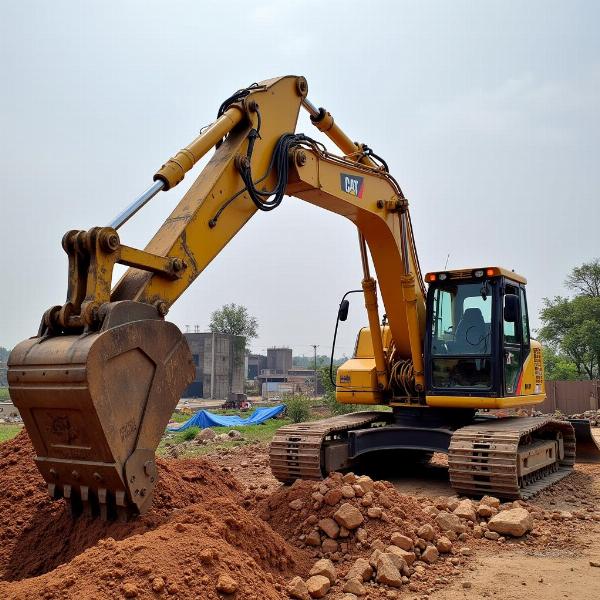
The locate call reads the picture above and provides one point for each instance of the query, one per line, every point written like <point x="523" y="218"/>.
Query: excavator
<point x="98" y="383"/>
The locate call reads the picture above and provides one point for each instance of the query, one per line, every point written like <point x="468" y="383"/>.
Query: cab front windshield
<point x="461" y="335"/>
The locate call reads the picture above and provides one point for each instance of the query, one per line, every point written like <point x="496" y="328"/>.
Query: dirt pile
<point x="196" y="540"/>
<point x="403" y="540"/>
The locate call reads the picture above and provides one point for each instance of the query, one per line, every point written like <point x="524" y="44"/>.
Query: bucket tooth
<point x="103" y="507"/>
<point x="85" y="501"/>
<point x="96" y="407"/>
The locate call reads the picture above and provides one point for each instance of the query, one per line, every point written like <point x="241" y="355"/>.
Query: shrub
<point x="190" y="433"/>
<point x="298" y="408"/>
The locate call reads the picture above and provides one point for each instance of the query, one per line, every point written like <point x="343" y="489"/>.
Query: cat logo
<point x="352" y="184"/>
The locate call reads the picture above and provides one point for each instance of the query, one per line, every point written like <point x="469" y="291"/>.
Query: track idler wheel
<point x="95" y="407"/>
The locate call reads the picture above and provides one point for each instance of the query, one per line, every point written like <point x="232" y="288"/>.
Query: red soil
<point x="195" y="531"/>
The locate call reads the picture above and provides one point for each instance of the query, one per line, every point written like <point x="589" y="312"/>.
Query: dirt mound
<point x="195" y="532"/>
<point x="347" y="517"/>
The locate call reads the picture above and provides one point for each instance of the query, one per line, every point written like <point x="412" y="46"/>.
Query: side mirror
<point x="343" y="310"/>
<point x="511" y="308"/>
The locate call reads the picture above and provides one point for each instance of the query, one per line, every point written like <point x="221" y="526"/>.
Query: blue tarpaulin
<point x="204" y="418"/>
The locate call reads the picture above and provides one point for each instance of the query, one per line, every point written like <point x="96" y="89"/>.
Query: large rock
<point x="361" y="569"/>
<point x="374" y="512"/>
<point x="465" y="510"/>
<point x="324" y="567"/>
<point x="333" y="496"/>
<point x="387" y="572"/>
<point x="329" y="527"/>
<point x="485" y="511"/>
<point x="490" y="501"/>
<point x="430" y="555"/>
<point x="348" y="516"/>
<point x="226" y="584"/>
<point x="402" y="541"/>
<point x="366" y="483"/>
<point x="313" y="538"/>
<point x="515" y="522"/>
<point x="206" y="435"/>
<point x="297" y="589"/>
<point x="395" y="557"/>
<point x="296" y="504"/>
<point x="449" y="522"/>
<point x="347" y="491"/>
<point x="408" y="557"/>
<point x="426" y="532"/>
<point x="329" y="546"/>
<point x="318" y="586"/>
<point x="354" y="586"/>
<point x="374" y="557"/>
<point x="443" y="544"/>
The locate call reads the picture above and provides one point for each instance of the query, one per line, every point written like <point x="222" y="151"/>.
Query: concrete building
<point x="256" y="364"/>
<point x="219" y="359"/>
<point x="279" y="360"/>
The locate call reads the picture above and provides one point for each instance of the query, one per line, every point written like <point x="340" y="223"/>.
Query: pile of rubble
<point x="9" y="413"/>
<point x="592" y="415"/>
<point x="208" y="436"/>
<point x="204" y="437"/>
<point x="368" y="538"/>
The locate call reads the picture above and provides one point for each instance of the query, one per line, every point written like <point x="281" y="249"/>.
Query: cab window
<point x="511" y="329"/>
<point x="461" y="345"/>
<point x="462" y="319"/>
<point x="524" y="318"/>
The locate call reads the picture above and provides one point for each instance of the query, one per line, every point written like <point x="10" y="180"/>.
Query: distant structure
<point x="256" y="364"/>
<point x="219" y="360"/>
<point x="276" y="376"/>
<point x="279" y="360"/>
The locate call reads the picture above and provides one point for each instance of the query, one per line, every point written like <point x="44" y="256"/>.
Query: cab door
<point x="515" y="337"/>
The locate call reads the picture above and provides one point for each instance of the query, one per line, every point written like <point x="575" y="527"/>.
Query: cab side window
<point x="511" y="330"/>
<point x="524" y="317"/>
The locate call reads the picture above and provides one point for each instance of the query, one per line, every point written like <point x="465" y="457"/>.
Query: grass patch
<point x="253" y="434"/>
<point x="4" y="395"/>
<point x="7" y="432"/>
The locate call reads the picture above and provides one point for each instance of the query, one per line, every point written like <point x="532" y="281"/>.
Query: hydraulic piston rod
<point x="324" y="122"/>
<point x="138" y="203"/>
<point x="173" y="171"/>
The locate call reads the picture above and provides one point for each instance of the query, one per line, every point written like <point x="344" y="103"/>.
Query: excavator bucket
<point x="95" y="407"/>
<point x="587" y="449"/>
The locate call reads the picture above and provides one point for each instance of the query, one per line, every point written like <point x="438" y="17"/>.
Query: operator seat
<point x="471" y="333"/>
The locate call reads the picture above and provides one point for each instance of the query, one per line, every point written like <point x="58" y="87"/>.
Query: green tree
<point x="4" y="354"/>
<point x="558" y="367"/>
<point x="308" y="362"/>
<point x="235" y="320"/>
<point x="571" y="326"/>
<point x="585" y="280"/>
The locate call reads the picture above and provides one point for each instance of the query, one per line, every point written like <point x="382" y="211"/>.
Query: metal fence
<point x="571" y="397"/>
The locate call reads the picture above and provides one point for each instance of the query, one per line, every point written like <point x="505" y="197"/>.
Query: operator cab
<point x="477" y="333"/>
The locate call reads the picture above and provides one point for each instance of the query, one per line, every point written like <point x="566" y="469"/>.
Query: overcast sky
<point x="488" y="114"/>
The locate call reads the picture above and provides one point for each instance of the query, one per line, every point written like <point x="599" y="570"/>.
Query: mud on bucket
<point x="95" y="407"/>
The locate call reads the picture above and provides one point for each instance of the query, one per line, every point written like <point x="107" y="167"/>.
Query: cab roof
<point x="474" y="274"/>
